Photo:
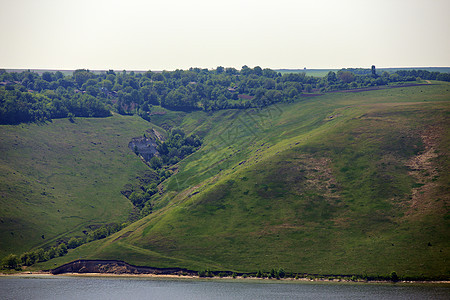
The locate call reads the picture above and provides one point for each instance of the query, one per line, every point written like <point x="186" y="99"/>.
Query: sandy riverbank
<point x="190" y="277"/>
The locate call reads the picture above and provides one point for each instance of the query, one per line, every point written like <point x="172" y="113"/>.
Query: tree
<point x="346" y="76"/>
<point x="308" y="88"/>
<point x="331" y="76"/>
<point x="245" y="70"/>
<point x="59" y="75"/>
<point x="155" y="163"/>
<point x="257" y="71"/>
<point x="220" y="70"/>
<point x="61" y="250"/>
<point x="47" y="76"/>
<point x="51" y="253"/>
<point x="11" y="262"/>
<point x="81" y="76"/>
<point x="74" y="242"/>
<point x="273" y="273"/>
<point x="394" y="276"/>
<point x="28" y="258"/>
<point x="40" y="255"/>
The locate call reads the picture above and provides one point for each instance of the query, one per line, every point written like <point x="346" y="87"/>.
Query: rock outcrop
<point x="114" y="267"/>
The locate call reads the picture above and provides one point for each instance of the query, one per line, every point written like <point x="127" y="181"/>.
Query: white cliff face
<point x="144" y="147"/>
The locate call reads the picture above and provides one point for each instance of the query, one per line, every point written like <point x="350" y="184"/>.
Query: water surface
<point x="64" y="287"/>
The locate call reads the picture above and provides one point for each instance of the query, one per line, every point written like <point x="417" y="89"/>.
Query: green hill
<point x="343" y="183"/>
<point x="57" y="178"/>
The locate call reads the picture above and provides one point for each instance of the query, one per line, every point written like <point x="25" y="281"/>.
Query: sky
<point x="179" y="34"/>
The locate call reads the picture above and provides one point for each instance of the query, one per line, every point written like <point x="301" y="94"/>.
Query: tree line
<point x="14" y="261"/>
<point x="31" y="97"/>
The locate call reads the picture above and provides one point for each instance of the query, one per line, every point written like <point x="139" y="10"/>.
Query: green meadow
<point x="58" y="178"/>
<point x="343" y="183"/>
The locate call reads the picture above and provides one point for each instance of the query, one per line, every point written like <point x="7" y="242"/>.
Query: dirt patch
<point x="313" y="174"/>
<point x="424" y="168"/>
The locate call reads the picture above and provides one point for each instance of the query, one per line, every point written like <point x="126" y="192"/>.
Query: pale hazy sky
<point x="171" y="34"/>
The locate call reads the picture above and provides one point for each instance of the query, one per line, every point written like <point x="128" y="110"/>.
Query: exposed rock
<point x="144" y="147"/>
<point x="114" y="267"/>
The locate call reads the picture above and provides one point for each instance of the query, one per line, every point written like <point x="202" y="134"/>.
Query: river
<point x="66" y="287"/>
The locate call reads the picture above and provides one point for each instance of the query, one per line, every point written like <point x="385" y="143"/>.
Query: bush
<point x="61" y="250"/>
<point x="205" y="273"/>
<point x="27" y="258"/>
<point x="40" y="255"/>
<point x="74" y="242"/>
<point x="11" y="262"/>
<point x="394" y="276"/>
<point x="51" y="253"/>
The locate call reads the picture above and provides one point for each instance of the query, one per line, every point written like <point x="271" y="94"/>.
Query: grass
<point x="320" y="186"/>
<point x="57" y="178"/>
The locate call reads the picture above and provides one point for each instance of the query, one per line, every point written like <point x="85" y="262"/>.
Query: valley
<point x="341" y="183"/>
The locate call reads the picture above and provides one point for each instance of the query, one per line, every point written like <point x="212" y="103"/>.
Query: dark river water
<point x="64" y="287"/>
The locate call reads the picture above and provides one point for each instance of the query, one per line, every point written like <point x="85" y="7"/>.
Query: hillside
<point x="343" y="183"/>
<point x="58" y="178"/>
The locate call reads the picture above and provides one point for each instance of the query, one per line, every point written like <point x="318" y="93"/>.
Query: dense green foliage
<point x="29" y="97"/>
<point x="176" y="147"/>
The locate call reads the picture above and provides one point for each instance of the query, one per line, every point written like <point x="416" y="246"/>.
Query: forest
<point x="32" y="97"/>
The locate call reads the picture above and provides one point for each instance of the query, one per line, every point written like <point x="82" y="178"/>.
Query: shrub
<point x="205" y="273"/>
<point x="201" y="273"/>
<point x="28" y="258"/>
<point x="11" y="262"/>
<point x="394" y="276"/>
<point x="61" y="250"/>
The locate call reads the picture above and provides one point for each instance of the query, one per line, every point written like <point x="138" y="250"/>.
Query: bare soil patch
<point x="424" y="168"/>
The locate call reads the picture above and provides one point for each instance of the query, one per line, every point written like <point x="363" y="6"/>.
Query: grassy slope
<point x="58" y="177"/>
<point x="319" y="186"/>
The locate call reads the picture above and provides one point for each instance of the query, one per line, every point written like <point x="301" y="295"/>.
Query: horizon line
<point x="170" y="70"/>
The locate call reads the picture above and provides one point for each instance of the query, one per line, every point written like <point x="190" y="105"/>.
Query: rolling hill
<point x="342" y="183"/>
<point x="58" y="178"/>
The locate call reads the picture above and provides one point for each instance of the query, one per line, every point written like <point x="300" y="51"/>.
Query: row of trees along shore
<point x="32" y="97"/>
<point x="29" y="258"/>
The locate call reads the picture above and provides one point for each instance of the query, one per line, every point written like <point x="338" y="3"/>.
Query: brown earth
<point x="425" y="169"/>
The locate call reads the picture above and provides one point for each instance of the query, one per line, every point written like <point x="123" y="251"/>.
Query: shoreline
<point x="228" y="278"/>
